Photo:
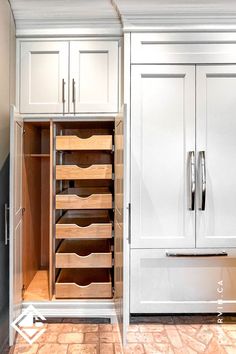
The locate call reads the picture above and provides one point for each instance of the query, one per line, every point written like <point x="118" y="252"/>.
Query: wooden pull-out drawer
<point x="84" y="254"/>
<point x="73" y="142"/>
<point x="84" y="198"/>
<point x="83" y="283"/>
<point x="69" y="172"/>
<point x="84" y="224"/>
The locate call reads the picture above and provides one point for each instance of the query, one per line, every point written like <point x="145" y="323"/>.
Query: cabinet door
<point x="44" y="77"/>
<point x="16" y="222"/>
<point x="94" y="76"/>
<point x="119" y="221"/>
<point x="162" y="137"/>
<point x="216" y="137"/>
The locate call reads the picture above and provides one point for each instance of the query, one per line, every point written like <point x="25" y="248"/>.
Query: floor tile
<point x="82" y="349"/>
<point x="92" y="337"/>
<point x="106" y="348"/>
<point x="70" y="338"/>
<point x="53" y="348"/>
<point x="151" y="328"/>
<point x="174" y="337"/>
<point x="136" y="337"/>
<point x="85" y="328"/>
<point x="107" y="337"/>
<point x="193" y="343"/>
<point x="134" y="349"/>
<point x="26" y="348"/>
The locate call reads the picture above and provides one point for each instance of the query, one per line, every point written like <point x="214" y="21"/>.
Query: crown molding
<point x="62" y="32"/>
<point x="171" y="15"/>
<point x="180" y="23"/>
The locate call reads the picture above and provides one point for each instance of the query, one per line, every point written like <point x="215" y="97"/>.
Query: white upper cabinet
<point x="94" y="76"/>
<point x="44" y="77"/>
<point x="45" y="71"/>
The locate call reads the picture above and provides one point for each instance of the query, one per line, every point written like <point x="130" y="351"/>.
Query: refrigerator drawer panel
<point x="169" y="281"/>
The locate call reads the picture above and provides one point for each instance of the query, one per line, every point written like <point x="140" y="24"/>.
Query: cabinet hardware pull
<point x="202" y="162"/>
<point x="192" y="180"/>
<point x="73" y="91"/>
<point x="6" y="209"/>
<point x="63" y="91"/>
<point x="217" y="254"/>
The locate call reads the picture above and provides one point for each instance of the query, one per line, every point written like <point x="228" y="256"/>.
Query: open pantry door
<point x="118" y="221"/>
<point x="15" y="232"/>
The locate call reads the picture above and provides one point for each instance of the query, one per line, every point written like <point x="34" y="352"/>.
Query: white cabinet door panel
<point x="163" y="134"/>
<point x="16" y="221"/>
<point x="161" y="284"/>
<point x="44" y="66"/>
<point x="94" y="76"/>
<point x="216" y="135"/>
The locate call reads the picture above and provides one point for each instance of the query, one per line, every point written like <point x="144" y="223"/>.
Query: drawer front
<point x="95" y="142"/>
<point x="91" y="231"/>
<point x="89" y="283"/>
<point x="95" y="201"/>
<point x="74" y="291"/>
<point x="84" y="254"/>
<point x="68" y="172"/>
<point x="161" y="284"/>
<point x="181" y="48"/>
<point x="73" y="260"/>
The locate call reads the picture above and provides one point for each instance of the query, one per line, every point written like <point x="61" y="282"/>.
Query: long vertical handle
<point x="202" y="162"/>
<point x="63" y="91"/>
<point x="73" y="91"/>
<point x="192" y="180"/>
<point x="6" y="209"/>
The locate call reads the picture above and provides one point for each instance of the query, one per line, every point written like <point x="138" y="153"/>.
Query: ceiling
<point x="42" y="15"/>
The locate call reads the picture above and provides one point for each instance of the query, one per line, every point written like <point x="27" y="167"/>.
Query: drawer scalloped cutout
<point x="84" y="224"/>
<point x="84" y="254"/>
<point x="84" y="198"/>
<point x="73" y="142"/>
<point x="69" y="172"/>
<point x="83" y="283"/>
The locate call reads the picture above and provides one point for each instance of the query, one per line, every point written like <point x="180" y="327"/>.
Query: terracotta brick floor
<point x="171" y="335"/>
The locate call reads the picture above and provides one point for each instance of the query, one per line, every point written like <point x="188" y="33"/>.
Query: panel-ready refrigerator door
<point x="216" y="156"/>
<point x="162" y="156"/>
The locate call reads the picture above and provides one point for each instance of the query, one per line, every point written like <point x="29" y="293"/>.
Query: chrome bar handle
<point x="63" y="91"/>
<point x="202" y="162"/>
<point x="192" y="180"/>
<point x="209" y="254"/>
<point x="6" y="209"/>
<point x="73" y="91"/>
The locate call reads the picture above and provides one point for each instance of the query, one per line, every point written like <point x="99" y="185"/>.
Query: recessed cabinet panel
<point x="216" y="132"/>
<point x="161" y="284"/>
<point x="44" y="77"/>
<point x="182" y="48"/>
<point x="163" y="136"/>
<point x="94" y="76"/>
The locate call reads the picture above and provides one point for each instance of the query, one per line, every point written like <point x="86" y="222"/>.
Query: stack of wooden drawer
<point x="84" y="231"/>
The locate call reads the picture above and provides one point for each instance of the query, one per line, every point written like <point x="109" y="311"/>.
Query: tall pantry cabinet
<point x="66" y="219"/>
